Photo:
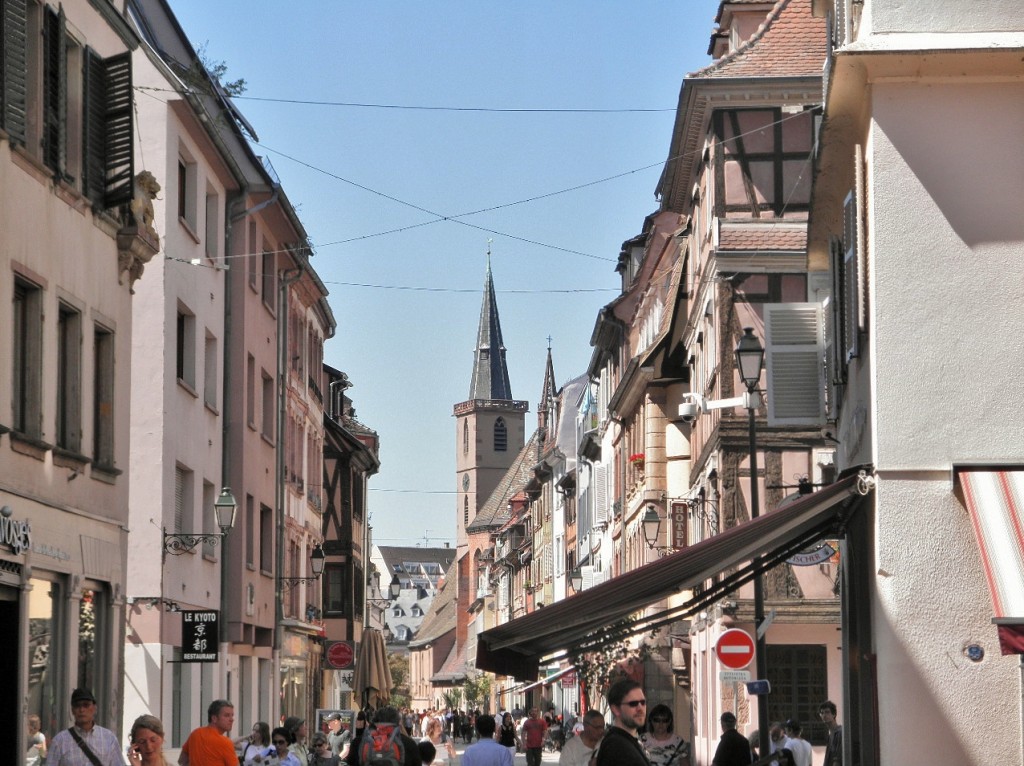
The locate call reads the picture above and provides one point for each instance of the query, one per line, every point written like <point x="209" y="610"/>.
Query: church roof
<point x="490" y="373"/>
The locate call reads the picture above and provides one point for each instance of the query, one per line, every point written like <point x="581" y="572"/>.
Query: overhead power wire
<point x="431" y="108"/>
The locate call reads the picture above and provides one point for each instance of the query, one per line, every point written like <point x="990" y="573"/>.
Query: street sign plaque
<point x="734" y="676"/>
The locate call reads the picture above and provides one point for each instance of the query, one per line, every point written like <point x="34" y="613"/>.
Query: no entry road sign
<point x="735" y="649"/>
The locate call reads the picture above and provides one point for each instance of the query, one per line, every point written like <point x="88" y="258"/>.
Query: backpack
<point x="382" y="746"/>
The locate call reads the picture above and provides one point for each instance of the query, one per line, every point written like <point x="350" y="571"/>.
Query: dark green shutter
<point x="14" y="22"/>
<point x="94" y="149"/>
<point x="120" y="158"/>
<point x="55" y="91"/>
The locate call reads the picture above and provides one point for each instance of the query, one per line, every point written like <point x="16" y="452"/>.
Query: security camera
<point x="689" y="412"/>
<point x="828" y="433"/>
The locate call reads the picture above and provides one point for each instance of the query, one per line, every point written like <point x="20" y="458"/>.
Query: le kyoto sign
<point x="199" y="636"/>
<point x="735" y="649"/>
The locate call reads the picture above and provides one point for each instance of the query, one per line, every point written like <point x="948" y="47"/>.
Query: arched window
<point x="465" y="512"/>
<point x="500" y="435"/>
<point x="465" y="437"/>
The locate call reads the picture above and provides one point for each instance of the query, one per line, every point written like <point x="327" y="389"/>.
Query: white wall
<point x="946" y="234"/>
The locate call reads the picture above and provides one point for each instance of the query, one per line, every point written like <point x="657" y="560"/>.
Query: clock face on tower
<point x="465" y="482"/>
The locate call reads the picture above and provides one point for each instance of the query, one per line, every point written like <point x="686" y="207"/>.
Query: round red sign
<point x="735" y="649"/>
<point x="340" y="655"/>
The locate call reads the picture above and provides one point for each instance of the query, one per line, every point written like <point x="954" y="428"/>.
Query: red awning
<point x="517" y="647"/>
<point x="995" y="500"/>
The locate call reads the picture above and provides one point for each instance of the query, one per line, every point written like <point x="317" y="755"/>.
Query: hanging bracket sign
<point x="199" y="636"/>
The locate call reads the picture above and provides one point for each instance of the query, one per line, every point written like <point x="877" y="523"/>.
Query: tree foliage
<point x="399" y="666"/>
<point x="477" y="689"/>
<point x="217" y="71"/>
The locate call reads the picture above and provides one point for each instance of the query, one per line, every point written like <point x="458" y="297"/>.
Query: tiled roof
<point x="455" y="667"/>
<point x="790" y="43"/>
<point x="762" y="238"/>
<point x="494" y="512"/>
<point x="440" y="616"/>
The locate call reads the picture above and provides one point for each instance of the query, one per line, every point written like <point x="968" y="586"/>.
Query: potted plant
<point x="637" y="460"/>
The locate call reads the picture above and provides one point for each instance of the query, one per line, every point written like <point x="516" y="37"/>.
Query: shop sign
<point x="339" y="655"/>
<point x="13" y="533"/>
<point x="199" y="636"/>
<point x="810" y="558"/>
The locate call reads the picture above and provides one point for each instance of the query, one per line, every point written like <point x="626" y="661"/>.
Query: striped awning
<point x="995" y="500"/>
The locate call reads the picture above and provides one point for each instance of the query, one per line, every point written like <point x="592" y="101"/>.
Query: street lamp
<point x="224" y="508"/>
<point x="651" y="523"/>
<point x="576" y="580"/>
<point x="316" y="563"/>
<point x="750" y="362"/>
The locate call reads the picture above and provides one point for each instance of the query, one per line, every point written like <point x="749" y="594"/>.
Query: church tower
<point x="490" y="425"/>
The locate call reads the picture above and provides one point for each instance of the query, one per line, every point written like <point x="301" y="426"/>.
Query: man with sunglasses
<point x="620" y="746"/>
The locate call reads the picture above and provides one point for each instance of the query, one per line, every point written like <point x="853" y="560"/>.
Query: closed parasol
<point x="373" y="675"/>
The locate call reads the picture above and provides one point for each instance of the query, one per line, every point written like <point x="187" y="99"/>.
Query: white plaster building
<point x="177" y="381"/>
<point x="916" y="216"/>
<point x="70" y="251"/>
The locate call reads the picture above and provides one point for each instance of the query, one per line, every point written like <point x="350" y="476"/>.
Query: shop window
<point x="44" y="653"/>
<point x="93" y="627"/>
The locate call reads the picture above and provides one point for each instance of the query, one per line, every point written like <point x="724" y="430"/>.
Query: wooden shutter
<point x="120" y="160"/>
<point x="13" y="88"/>
<point x="600" y="494"/>
<point x="55" y="91"/>
<point x="94" y="95"/>
<point x="794" y="364"/>
<point x="854" y="263"/>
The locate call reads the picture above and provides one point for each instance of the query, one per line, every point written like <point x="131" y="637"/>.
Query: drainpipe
<point x="287" y="278"/>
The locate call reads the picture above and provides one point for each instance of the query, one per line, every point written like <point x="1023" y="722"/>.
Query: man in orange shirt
<point x="209" y="745"/>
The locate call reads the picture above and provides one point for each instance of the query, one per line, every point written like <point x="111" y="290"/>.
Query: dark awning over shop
<point x="585" y="620"/>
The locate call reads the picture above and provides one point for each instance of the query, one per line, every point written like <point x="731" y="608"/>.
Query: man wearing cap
<point x="68" y="747"/>
<point x="733" y="748"/>
<point x="338" y="738"/>
<point x="210" y="745"/>
<point x="297" y="728"/>
<point x="798" y="746"/>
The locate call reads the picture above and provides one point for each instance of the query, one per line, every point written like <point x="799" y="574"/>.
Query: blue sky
<point x="407" y="302"/>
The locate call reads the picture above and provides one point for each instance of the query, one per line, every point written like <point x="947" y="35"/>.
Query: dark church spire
<point x="490" y="375"/>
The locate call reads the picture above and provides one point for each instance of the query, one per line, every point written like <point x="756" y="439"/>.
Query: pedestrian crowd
<point x="636" y="737"/>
